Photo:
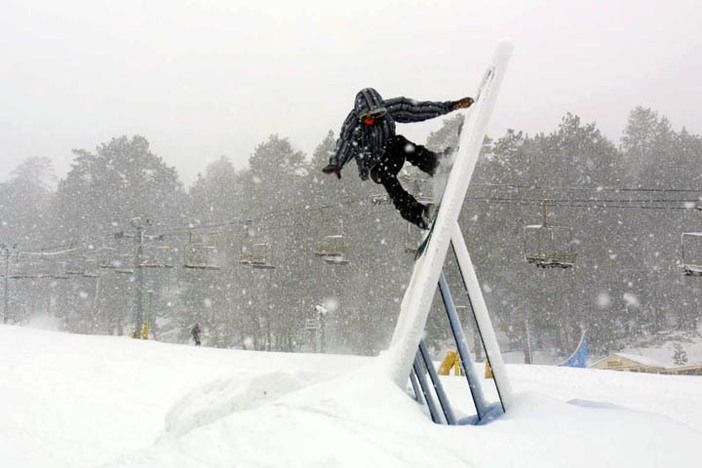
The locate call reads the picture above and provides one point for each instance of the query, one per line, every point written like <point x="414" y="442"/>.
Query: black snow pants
<point x="399" y="149"/>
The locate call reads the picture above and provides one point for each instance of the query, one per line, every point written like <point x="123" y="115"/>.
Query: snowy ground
<point x="75" y="401"/>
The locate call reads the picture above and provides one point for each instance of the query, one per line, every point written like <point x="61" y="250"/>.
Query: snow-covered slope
<point x="71" y="400"/>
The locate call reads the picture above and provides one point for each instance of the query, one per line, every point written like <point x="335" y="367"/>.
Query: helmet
<point x="369" y="106"/>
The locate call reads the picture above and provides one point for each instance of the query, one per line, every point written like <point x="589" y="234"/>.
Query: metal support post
<point x="139" y="225"/>
<point x="463" y="351"/>
<point x="6" y="302"/>
<point x="138" y="282"/>
<point x="438" y="388"/>
<point x="415" y="388"/>
<point x="424" y="385"/>
<point x="482" y="318"/>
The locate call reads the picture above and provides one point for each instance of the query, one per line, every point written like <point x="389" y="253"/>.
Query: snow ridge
<point x="222" y="397"/>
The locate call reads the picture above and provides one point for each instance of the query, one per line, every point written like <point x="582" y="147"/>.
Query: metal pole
<point x="147" y="320"/>
<point x="438" y="388"/>
<point x="96" y="298"/>
<point x="482" y="317"/>
<point x="527" y="348"/>
<point x="424" y="385"/>
<point x="415" y="388"/>
<point x="318" y="334"/>
<point x="7" y="284"/>
<point x="322" y="333"/>
<point x="138" y="280"/>
<point x="466" y="359"/>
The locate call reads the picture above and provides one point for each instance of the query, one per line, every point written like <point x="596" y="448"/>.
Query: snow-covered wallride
<point x="440" y="183"/>
<point x="445" y="231"/>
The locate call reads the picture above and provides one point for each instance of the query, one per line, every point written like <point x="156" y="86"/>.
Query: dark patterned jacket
<point x="366" y="143"/>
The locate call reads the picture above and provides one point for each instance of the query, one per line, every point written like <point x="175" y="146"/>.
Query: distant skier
<point x="195" y="332"/>
<point x="368" y="135"/>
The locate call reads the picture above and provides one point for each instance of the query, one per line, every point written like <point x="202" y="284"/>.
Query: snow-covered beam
<point x="417" y="301"/>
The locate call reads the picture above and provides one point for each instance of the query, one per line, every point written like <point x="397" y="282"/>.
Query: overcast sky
<point x="201" y="79"/>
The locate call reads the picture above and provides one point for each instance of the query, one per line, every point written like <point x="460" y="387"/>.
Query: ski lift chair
<point x="106" y="257"/>
<point x="124" y="264"/>
<point x="56" y="269"/>
<point x="33" y="266"/>
<point x="90" y="268"/>
<point x="691" y="247"/>
<point x="336" y="260"/>
<point x="42" y="268"/>
<point x="549" y="246"/>
<point x="81" y="265"/>
<point x="257" y="254"/>
<point x="332" y="249"/>
<point x="75" y="265"/>
<point x="25" y="268"/>
<point x="121" y="263"/>
<point x="200" y="254"/>
<point x="256" y="251"/>
<point x="263" y="254"/>
<point x="156" y="255"/>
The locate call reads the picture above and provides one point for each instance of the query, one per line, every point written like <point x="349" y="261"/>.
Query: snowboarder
<point x="195" y="332"/>
<point x="368" y="135"/>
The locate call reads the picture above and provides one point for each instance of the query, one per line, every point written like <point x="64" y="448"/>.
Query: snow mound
<point x="43" y="322"/>
<point x="364" y="419"/>
<point x="78" y="401"/>
<point x="222" y="397"/>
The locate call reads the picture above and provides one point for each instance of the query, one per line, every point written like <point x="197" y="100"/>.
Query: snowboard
<point x="446" y="171"/>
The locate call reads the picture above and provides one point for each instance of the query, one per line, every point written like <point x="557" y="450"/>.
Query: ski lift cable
<point x="593" y="203"/>
<point x="609" y="203"/>
<point x="593" y="189"/>
<point x="353" y="201"/>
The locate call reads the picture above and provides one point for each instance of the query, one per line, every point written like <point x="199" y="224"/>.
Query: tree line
<point x="71" y="252"/>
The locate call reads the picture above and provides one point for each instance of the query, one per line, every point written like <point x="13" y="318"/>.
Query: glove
<point x="464" y="103"/>
<point x="332" y="169"/>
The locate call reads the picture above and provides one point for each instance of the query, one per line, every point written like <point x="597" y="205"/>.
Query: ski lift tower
<point x="547" y="245"/>
<point x="6" y="281"/>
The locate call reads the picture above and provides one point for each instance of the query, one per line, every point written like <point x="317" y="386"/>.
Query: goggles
<point x="369" y="117"/>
